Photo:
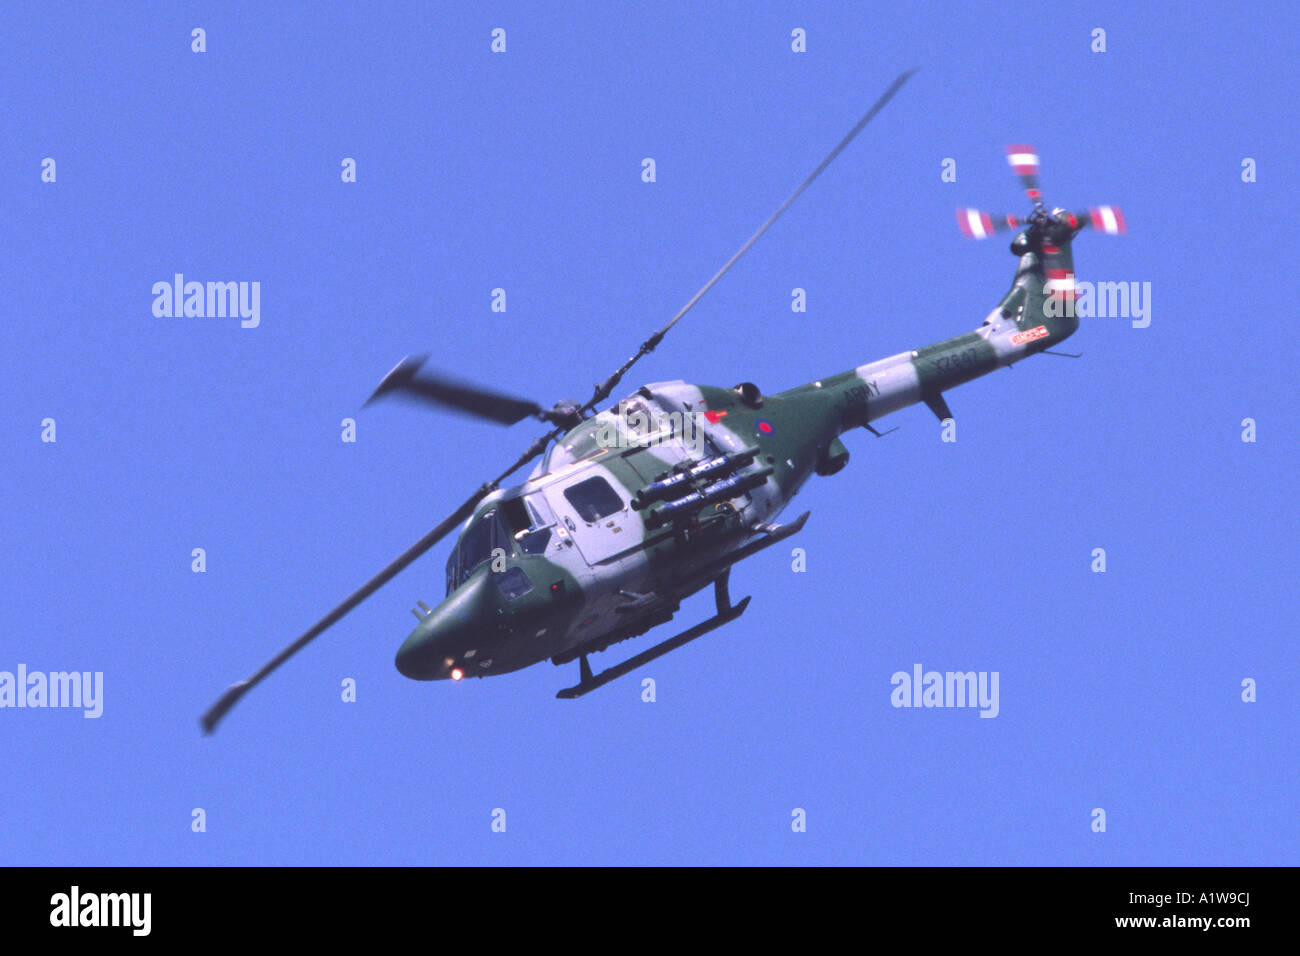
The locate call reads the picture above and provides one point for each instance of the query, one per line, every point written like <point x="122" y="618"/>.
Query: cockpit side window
<point x="593" y="499"/>
<point x="524" y="526"/>
<point x="515" y="515"/>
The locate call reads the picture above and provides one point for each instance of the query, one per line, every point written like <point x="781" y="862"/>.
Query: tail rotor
<point x="1048" y="227"/>
<point x="1107" y="219"/>
<point x="978" y="224"/>
<point x="1024" y="160"/>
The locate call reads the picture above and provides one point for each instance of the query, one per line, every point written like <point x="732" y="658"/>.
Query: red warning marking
<point x="1020" y="338"/>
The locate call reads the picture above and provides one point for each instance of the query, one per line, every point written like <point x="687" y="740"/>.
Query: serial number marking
<point x="952" y="363"/>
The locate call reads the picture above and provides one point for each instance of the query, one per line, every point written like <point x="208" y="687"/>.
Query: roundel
<point x="764" y="427"/>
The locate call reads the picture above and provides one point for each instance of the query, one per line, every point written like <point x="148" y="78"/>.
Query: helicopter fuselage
<point x="595" y="548"/>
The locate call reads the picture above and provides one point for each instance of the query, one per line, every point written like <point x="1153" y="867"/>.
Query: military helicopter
<point x="635" y="508"/>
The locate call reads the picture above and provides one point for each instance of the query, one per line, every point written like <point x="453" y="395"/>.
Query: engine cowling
<point x="833" y="459"/>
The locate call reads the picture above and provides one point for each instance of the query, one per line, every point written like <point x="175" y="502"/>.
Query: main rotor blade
<point x="604" y="389"/>
<point x="238" y="690"/>
<point x="536" y="448"/>
<point x="235" y="691"/>
<point x="451" y="393"/>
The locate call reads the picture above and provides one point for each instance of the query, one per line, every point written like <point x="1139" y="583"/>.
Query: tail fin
<point x="1042" y="295"/>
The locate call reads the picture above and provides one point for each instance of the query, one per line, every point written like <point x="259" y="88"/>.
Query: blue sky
<point x="521" y="170"/>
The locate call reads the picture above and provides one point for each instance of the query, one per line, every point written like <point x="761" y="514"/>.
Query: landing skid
<point x="727" y="612"/>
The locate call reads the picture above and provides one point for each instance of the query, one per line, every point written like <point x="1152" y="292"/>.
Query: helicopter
<point x="636" y="507"/>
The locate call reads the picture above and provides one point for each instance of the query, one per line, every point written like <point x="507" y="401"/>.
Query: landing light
<point x="457" y="673"/>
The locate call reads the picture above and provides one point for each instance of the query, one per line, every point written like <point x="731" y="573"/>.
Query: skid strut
<point x="727" y="612"/>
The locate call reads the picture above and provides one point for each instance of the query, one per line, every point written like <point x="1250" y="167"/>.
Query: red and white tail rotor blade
<point x="1024" y="160"/>
<point x="1107" y="219"/>
<point x="977" y="224"/>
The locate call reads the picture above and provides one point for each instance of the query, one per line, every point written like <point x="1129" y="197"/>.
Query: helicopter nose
<point x="417" y="658"/>
<point x="434" y="649"/>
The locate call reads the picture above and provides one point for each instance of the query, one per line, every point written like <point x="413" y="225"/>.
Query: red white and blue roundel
<point x="764" y="427"/>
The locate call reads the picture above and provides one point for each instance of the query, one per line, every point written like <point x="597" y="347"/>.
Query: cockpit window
<point x="452" y="569"/>
<point x="593" y="499"/>
<point x="476" y="546"/>
<point x="515" y="515"/>
<point x="484" y="535"/>
<point x="525" y="526"/>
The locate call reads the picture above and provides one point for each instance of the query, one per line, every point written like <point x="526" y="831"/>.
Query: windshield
<point x="484" y="535"/>
<point x="515" y="525"/>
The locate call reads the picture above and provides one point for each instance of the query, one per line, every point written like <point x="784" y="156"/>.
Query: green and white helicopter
<point x="635" y="508"/>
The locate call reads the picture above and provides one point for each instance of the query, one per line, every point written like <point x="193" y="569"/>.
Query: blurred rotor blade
<point x="238" y="690"/>
<point x="604" y="388"/>
<point x="977" y="224"/>
<point x="1024" y="160"/>
<point x="536" y="448"/>
<point x="454" y="394"/>
<point x="1107" y="219"/>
